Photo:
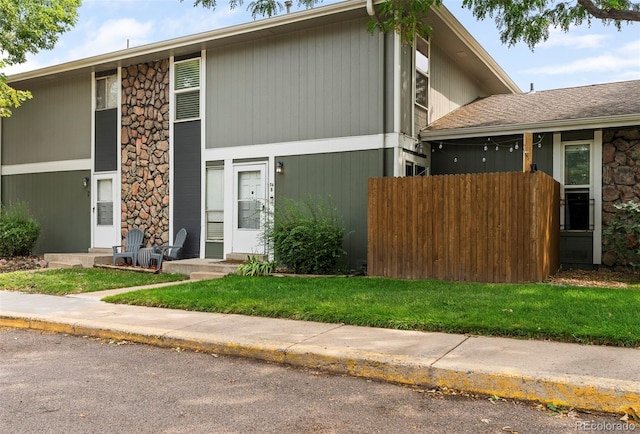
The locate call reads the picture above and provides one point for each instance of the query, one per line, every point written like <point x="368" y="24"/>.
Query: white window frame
<point x="106" y="81"/>
<point x="208" y="208"/>
<point x="568" y="188"/>
<point x="422" y="45"/>
<point x="192" y="89"/>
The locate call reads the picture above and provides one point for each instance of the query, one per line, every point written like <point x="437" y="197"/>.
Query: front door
<point x="249" y="208"/>
<point x="105" y="213"/>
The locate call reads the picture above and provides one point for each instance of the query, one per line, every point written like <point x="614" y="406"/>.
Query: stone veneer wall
<point x="620" y="175"/>
<point x="145" y="150"/>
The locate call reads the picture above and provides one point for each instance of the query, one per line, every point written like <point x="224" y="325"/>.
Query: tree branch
<point x="610" y="14"/>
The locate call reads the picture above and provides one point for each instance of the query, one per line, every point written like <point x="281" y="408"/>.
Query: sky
<point x="585" y="55"/>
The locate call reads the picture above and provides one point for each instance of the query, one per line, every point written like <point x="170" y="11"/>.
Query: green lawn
<point x="75" y="280"/>
<point x="539" y="311"/>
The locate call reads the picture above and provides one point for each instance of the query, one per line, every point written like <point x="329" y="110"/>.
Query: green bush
<point x="18" y="230"/>
<point x="622" y="235"/>
<point x="256" y="267"/>
<point x="307" y="236"/>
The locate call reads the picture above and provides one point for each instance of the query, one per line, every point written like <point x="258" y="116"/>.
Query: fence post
<point x="527" y="151"/>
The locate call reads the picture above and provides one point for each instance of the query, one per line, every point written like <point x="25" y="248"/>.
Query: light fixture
<point x="280" y="167"/>
<point x="85" y="182"/>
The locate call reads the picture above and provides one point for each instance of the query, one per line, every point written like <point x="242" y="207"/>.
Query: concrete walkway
<point x="584" y="377"/>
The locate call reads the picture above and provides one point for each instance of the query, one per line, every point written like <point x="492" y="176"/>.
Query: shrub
<point x="18" y="230"/>
<point x="307" y="236"/>
<point x="622" y="235"/>
<point x="256" y="267"/>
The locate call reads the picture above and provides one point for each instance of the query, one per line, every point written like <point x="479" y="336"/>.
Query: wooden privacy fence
<point x="496" y="227"/>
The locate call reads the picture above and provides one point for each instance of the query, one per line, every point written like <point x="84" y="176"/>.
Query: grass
<point x="72" y="280"/>
<point x="538" y="311"/>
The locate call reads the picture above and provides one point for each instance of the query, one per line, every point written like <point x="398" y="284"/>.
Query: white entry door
<point x="249" y="208"/>
<point x="105" y="210"/>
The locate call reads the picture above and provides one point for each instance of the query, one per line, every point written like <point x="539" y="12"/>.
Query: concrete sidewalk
<point x="585" y="377"/>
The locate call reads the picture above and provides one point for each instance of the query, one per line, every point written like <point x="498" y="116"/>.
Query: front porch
<point x="195" y="268"/>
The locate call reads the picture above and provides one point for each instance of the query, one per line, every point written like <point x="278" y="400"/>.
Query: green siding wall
<point x="315" y="83"/>
<point x="465" y="156"/>
<point x="59" y="203"/>
<point x="53" y="126"/>
<point x="343" y="176"/>
<point x="543" y="155"/>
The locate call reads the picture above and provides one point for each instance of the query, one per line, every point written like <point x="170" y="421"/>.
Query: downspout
<point x="370" y="10"/>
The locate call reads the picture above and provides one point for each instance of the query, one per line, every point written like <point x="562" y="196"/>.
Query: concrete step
<point x="244" y="256"/>
<point x="205" y="275"/>
<point x="87" y="260"/>
<point x="59" y="264"/>
<point x="103" y="250"/>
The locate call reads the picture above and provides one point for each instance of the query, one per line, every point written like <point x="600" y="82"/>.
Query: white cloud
<point x="625" y="59"/>
<point x="110" y="36"/>
<point x="558" y="38"/>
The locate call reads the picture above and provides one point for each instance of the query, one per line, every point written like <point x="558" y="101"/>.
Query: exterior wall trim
<point x="49" y="166"/>
<point x="305" y="147"/>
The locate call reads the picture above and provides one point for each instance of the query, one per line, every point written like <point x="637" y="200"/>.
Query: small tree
<point x="622" y="235"/>
<point x="18" y="230"/>
<point x="306" y="236"/>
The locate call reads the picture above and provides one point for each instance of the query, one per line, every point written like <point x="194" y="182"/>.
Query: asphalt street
<point x="54" y="383"/>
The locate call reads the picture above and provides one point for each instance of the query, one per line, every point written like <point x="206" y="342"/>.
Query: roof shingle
<point x="585" y="102"/>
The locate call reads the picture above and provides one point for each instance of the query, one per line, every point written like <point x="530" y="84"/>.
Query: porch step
<point x="205" y="275"/>
<point x="59" y="264"/>
<point x="244" y="256"/>
<point x="103" y="250"/>
<point x="86" y="260"/>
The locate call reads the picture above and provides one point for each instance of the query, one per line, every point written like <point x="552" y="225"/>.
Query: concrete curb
<point x="594" y="394"/>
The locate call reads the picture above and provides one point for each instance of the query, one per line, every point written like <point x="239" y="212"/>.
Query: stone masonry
<point x="621" y="175"/>
<point x="145" y="150"/>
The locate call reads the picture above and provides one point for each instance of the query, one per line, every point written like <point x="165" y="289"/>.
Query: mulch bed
<point x="21" y="263"/>
<point x="602" y="278"/>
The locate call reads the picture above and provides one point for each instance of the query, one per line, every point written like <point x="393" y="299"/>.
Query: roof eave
<point x="537" y="127"/>
<point x="118" y="57"/>
<point x="461" y="32"/>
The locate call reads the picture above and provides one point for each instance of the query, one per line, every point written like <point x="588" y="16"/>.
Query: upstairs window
<point x="422" y="74"/>
<point x="107" y="88"/>
<point x="187" y="89"/>
<point x="421" y="87"/>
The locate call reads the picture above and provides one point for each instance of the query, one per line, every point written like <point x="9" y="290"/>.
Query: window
<point x="107" y="92"/>
<point x="187" y="89"/>
<point x="414" y="169"/>
<point x="215" y="204"/>
<point x="104" y="202"/>
<point x="577" y="205"/>
<point x="422" y="73"/>
<point x="421" y="87"/>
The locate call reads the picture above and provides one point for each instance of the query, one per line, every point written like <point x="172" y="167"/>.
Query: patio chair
<point x="169" y="253"/>
<point x="133" y="241"/>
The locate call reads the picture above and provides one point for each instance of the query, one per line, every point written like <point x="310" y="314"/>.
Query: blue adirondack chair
<point x="133" y="241"/>
<point x="169" y="253"/>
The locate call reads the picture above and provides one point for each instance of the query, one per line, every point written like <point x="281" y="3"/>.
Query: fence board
<point x="483" y="227"/>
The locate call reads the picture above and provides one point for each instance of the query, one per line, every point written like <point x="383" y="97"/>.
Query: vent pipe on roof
<point x="288" y="4"/>
<point x="531" y="89"/>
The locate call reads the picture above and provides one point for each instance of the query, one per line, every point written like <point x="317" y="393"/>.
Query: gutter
<point x="538" y="127"/>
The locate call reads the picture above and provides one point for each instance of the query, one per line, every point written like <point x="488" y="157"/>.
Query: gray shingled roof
<point x="585" y="102"/>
